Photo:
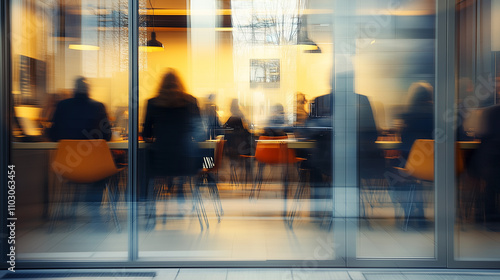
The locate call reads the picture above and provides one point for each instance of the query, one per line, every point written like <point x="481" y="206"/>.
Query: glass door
<point x="234" y="107"/>
<point x="386" y="64"/>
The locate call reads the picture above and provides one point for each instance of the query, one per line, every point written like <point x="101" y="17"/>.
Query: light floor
<point x="258" y="274"/>
<point x="250" y="230"/>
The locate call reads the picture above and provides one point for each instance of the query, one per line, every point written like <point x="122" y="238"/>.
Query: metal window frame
<point x="5" y="110"/>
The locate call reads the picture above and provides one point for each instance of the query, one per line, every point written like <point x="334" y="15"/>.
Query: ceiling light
<point x="83" y="47"/>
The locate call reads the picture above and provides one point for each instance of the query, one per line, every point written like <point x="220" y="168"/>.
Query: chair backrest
<point x="420" y="163"/>
<point x="274" y="152"/>
<point x="459" y="160"/>
<point x="84" y="161"/>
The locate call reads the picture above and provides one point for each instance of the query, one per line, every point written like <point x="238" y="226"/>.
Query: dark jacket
<point x="370" y="158"/>
<point x="80" y="118"/>
<point x="173" y="125"/>
<point x="239" y="139"/>
<point x="418" y="123"/>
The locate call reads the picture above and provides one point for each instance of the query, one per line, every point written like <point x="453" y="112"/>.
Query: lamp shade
<point x="152" y="45"/>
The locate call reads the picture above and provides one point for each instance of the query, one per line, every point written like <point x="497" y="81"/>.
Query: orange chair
<point x="86" y="162"/>
<point x="208" y="177"/>
<point x="419" y="166"/>
<point x="273" y="150"/>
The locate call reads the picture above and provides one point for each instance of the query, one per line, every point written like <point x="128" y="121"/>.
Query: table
<point x="114" y="145"/>
<point x="394" y="145"/>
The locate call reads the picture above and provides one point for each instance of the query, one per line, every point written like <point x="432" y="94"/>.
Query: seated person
<point x="81" y="117"/>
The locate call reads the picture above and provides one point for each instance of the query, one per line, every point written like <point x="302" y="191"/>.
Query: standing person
<point x="173" y="126"/>
<point x="81" y="117"/>
<point x="486" y="163"/>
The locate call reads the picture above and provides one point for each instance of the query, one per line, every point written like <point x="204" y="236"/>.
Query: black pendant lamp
<point x="152" y="45"/>
<point x="304" y="43"/>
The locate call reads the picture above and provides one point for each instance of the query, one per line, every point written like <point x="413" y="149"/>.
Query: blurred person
<point x="301" y="113"/>
<point x="486" y="164"/>
<point x="277" y="115"/>
<point x="81" y="117"/>
<point x="276" y="123"/>
<point x="211" y="117"/>
<point x="418" y="119"/>
<point x="173" y="126"/>
<point x="236" y="111"/>
<point x="319" y="127"/>
<point x="417" y="123"/>
<point x="239" y="139"/>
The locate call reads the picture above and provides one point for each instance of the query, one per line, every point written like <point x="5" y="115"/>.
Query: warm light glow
<point x="83" y="47"/>
<point x="150" y="49"/>
<point x="307" y="47"/>
<point x="225" y="29"/>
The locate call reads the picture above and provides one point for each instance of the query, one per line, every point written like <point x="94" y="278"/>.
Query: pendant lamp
<point x="152" y="45"/>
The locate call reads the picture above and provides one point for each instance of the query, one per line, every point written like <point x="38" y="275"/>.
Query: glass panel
<point x="477" y="227"/>
<point x="394" y="78"/>
<point x="69" y="81"/>
<point x="248" y="70"/>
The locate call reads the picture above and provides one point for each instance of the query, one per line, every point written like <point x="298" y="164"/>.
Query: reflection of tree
<point x="269" y="22"/>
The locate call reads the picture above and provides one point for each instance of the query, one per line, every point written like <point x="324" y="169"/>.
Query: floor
<point x="250" y="230"/>
<point x="258" y="274"/>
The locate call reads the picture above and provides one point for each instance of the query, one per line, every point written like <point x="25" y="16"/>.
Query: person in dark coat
<point x="417" y="123"/>
<point x="486" y="164"/>
<point x="82" y="118"/>
<point x="173" y="127"/>
<point x="239" y="142"/>
<point x="418" y="120"/>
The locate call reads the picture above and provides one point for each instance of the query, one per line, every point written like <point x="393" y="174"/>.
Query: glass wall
<point x="289" y="132"/>
<point x="69" y="81"/>
<point x="235" y="111"/>
<point x="477" y="222"/>
<point x="394" y="79"/>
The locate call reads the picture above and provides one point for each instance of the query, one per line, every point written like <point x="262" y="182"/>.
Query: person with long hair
<point x="173" y="126"/>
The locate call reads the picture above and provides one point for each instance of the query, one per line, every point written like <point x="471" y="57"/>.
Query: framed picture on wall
<point x="265" y="73"/>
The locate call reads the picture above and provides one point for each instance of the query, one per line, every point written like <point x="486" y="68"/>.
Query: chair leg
<point x="409" y="206"/>
<point x="200" y="208"/>
<point x="112" y="204"/>
<point x="298" y="195"/>
<point x="113" y="201"/>
<point x="233" y="174"/>
<point x="214" y="192"/>
<point x="57" y="211"/>
<point x="257" y="185"/>
<point x="151" y="204"/>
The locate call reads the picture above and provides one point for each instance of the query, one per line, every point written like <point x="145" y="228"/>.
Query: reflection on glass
<point x="69" y="91"/>
<point x="254" y="195"/>
<point x="394" y="77"/>
<point x="477" y="217"/>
